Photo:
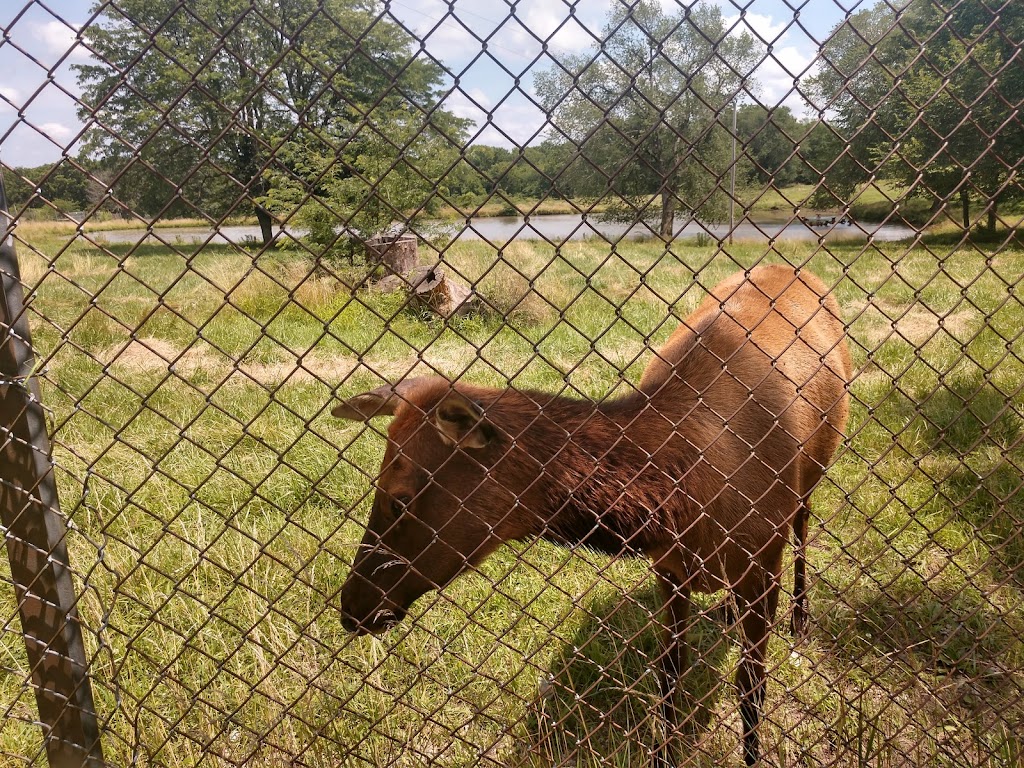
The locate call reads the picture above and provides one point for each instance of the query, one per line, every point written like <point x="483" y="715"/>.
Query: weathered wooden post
<point x="34" y="532"/>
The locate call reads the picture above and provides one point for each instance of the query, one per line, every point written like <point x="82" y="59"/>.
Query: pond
<point x="558" y="228"/>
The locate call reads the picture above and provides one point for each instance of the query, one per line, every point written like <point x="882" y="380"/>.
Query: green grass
<point x="216" y="507"/>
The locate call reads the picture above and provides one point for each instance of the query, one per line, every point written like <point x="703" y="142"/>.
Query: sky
<point x="488" y="45"/>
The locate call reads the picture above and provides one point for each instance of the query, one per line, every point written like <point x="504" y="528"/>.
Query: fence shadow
<point x="599" y="704"/>
<point x="954" y="655"/>
<point x="936" y="613"/>
<point x="926" y="626"/>
<point x="976" y="424"/>
<point x="975" y="456"/>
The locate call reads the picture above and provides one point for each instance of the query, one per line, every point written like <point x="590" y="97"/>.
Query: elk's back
<point x="754" y="384"/>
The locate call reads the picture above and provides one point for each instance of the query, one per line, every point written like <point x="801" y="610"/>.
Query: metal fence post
<point x="34" y="531"/>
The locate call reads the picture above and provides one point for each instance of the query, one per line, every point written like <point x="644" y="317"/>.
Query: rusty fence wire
<point x="519" y="384"/>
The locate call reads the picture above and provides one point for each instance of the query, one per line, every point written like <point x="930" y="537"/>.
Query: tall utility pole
<point x="732" y="184"/>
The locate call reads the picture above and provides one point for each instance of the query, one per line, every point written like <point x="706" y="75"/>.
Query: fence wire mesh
<point x="472" y="231"/>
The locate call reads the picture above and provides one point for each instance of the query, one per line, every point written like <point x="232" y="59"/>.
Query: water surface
<point x="553" y="228"/>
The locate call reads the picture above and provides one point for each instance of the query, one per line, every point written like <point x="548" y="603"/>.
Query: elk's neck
<point x="611" y="477"/>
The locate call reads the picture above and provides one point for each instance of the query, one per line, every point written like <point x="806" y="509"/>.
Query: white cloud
<point x="472" y="105"/>
<point x="675" y="6"/>
<point x="450" y="36"/>
<point x="759" y="25"/>
<point x="9" y="97"/>
<point x="59" y="38"/>
<point x="515" y="122"/>
<point x="777" y="76"/>
<point x="57" y="131"/>
<point x="792" y="59"/>
<point x="512" y="35"/>
<point x="448" y="40"/>
<point x="553" y="24"/>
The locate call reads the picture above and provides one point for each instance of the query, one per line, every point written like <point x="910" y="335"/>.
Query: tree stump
<point x="390" y="284"/>
<point x="432" y="288"/>
<point x="397" y="253"/>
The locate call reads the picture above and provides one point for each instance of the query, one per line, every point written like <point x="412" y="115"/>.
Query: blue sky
<point x="39" y="124"/>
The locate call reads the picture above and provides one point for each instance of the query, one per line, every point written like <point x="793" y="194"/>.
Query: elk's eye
<point x="399" y="504"/>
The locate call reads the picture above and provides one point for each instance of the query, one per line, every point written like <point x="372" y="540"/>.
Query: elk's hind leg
<point x="798" y="621"/>
<point x="757" y="597"/>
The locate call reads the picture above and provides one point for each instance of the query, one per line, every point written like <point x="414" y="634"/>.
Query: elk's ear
<point x="461" y="422"/>
<point x="380" y="402"/>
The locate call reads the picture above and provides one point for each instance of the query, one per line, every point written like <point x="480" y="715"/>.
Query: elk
<point x="703" y="468"/>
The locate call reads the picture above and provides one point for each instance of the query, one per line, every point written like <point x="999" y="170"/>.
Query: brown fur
<point x="704" y="469"/>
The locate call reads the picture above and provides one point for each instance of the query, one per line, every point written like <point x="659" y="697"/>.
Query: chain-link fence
<point x="383" y="349"/>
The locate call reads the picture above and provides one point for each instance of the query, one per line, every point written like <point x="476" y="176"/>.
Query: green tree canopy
<point x="199" y="104"/>
<point x="770" y="138"/>
<point x="646" y="108"/>
<point x="64" y="186"/>
<point x="929" y="96"/>
<point x="530" y="172"/>
<point x="392" y="164"/>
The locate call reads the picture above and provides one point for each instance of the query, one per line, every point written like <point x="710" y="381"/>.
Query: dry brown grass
<point x="876" y="321"/>
<point x="154" y="355"/>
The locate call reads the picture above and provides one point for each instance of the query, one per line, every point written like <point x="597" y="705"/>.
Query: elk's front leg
<point x="675" y="651"/>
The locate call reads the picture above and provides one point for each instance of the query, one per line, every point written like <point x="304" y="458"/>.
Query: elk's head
<point x="442" y="501"/>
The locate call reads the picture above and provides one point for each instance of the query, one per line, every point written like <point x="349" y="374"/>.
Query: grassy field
<point x="216" y="506"/>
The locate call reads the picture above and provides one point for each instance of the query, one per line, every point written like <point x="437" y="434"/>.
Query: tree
<point x="529" y="172"/>
<point x="491" y="163"/>
<point x="646" y="108"/>
<point x="830" y="165"/>
<point x="852" y="82"/>
<point x="930" y="102"/>
<point x="394" y="163"/>
<point x="198" y="104"/>
<point x="770" y="139"/>
<point x="63" y="186"/>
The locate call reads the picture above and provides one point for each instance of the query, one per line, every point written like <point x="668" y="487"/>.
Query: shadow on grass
<point x="168" y="247"/>
<point x="967" y="414"/>
<point x="600" y="702"/>
<point x="934" y="672"/>
<point x="974" y="424"/>
<point x="927" y="613"/>
<point x="999" y="239"/>
<point x="993" y="502"/>
<point x="966" y="441"/>
<point x="941" y="625"/>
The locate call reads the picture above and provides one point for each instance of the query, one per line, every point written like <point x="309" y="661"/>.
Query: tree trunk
<point x="668" y="215"/>
<point x="266" y="224"/>
<point x="990" y="224"/>
<point x="965" y="204"/>
<point x="398" y="253"/>
<point x="247" y="152"/>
